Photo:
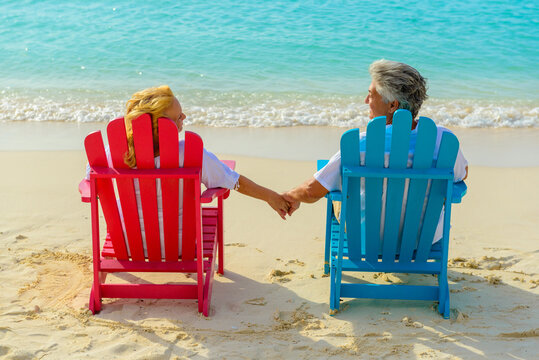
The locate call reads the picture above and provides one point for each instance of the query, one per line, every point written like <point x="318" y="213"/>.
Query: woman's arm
<point x="276" y="201"/>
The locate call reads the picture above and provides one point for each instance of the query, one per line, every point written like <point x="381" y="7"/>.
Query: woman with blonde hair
<point x="160" y="102"/>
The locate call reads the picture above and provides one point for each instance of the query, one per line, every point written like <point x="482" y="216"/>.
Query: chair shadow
<point x="248" y="314"/>
<point x="243" y="311"/>
<point x="480" y="307"/>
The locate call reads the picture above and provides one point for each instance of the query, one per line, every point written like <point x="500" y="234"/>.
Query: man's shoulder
<point x="442" y="129"/>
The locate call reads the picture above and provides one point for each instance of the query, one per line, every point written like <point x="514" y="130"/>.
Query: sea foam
<point x="283" y="110"/>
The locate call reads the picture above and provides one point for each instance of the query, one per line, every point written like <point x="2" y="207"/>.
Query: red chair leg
<point x="220" y="240"/>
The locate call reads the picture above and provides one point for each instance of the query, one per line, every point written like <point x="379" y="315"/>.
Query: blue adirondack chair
<point x="356" y="243"/>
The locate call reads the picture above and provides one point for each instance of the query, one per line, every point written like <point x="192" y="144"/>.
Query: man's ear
<point x="394" y="106"/>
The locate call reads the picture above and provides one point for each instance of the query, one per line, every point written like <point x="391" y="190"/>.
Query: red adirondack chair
<point x="123" y="250"/>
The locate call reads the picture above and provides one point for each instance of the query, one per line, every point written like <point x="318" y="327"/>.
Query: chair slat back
<point x="447" y="155"/>
<point x="191" y="202"/>
<point x="398" y="159"/>
<point x="395" y="243"/>
<point x="350" y="157"/>
<point x="95" y="151"/>
<point x="118" y="147"/>
<point x="170" y="159"/>
<point x="144" y="153"/>
<point x="423" y="155"/>
<point x="170" y="190"/>
<point x="374" y="158"/>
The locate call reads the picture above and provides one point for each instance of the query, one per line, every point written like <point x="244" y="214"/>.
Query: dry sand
<point x="272" y="301"/>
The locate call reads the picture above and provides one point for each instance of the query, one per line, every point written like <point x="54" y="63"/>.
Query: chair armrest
<point x="459" y="190"/>
<point x="84" y="190"/>
<point x="320" y="164"/>
<point x="334" y="196"/>
<point x="230" y="163"/>
<point x="212" y="193"/>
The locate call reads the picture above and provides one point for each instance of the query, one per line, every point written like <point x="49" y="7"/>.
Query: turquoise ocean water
<point x="268" y="63"/>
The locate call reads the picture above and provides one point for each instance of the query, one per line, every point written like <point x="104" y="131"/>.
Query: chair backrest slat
<point x="447" y="155"/>
<point x="169" y="157"/>
<point x="95" y="151"/>
<point x="143" y="141"/>
<point x="349" y="158"/>
<point x="387" y="231"/>
<point x="191" y="203"/>
<point x="374" y="158"/>
<point x="398" y="159"/>
<point x="118" y="147"/>
<point x="423" y="155"/>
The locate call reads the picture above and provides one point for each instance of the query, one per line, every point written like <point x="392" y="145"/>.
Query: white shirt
<point x="330" y="175"/>
<point x="214" y="174"/>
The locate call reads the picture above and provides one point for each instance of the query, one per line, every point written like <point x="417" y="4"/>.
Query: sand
<point x="273" y="300"/>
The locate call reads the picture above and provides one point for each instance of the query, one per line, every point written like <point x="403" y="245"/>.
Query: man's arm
<point x="308" y="192"/>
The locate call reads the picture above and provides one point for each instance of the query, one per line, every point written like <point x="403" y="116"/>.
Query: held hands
<point x="279" y="204"/>
<point x="283" y="204"/>
<point x="294" y="204"/>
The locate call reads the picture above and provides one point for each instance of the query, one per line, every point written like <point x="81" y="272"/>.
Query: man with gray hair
<point x="394" y="86"/>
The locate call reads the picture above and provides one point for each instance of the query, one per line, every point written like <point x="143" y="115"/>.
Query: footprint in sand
<point x="295" y="262"/>
<point x="464" y="288"/>
<point x="388" y="277"/>
<point x="280" y="276"/>
<point x="457" y="316"/>
<point x="521" y="334"/>
<point x="486" y="263"/>
<point x="236" y="244"/>
<point x="493" y="280"/>
<point x="534" y="284"/>
<point x="298" y="318"/>
<point x="462" y="262"/>
<point x="519" y="307"/>
<point x="256" y="301"/>
<point x="407" y="321"/>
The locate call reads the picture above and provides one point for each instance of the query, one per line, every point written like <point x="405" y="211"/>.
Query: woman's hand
<point x="279" y="204"/>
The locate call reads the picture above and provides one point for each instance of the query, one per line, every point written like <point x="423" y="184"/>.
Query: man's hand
<point x="279" y="204"/>
<point x="294" y="204"/>
<point x="309" y="192"/>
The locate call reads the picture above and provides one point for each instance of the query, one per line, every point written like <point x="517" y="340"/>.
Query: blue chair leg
<point x="327" y="249"/>
<point x="443" y="295"/>
<point x="333" y="301"/>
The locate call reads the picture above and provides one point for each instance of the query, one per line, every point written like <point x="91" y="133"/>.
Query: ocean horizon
<point x="268" y="63"/>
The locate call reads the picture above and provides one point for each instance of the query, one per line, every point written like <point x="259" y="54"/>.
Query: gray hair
<point x="401" y="82"/>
